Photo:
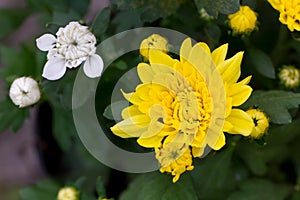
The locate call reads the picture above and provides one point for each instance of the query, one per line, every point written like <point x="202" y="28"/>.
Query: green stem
<point x="280" y="49"/>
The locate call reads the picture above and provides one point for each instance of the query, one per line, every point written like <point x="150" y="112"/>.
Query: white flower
<point x="72" y="45"/>
<point x="24" y="92"/>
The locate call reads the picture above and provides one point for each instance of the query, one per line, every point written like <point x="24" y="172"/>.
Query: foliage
<point x="245" y="169"/>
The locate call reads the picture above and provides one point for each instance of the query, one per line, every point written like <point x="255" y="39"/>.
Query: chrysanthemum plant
<point x="217" y="111"/>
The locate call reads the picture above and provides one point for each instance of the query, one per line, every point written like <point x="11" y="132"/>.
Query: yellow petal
<point x="216" y="140"/>
<point x="130" y="111"/>
<point x="227" y="126"/>
<point x="159" y="57"/>
<point x="151" y="142"/>
<point x="239" y="94"/>
<point x="230" y="69"/>
<point x="185" y="49"/>
<point x="131" y="127"/>
<point x="205" y="47"/>
<point x="219" y="54"/>
<point x="145" y="72"/>
<point x="197" y="152"/>
<point x="242" y="123"/>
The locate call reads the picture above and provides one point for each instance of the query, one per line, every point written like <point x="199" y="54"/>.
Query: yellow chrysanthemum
<point x="289" y="76"/>
<point x="244" y="21"/>
<point x="68" y="193"/>
<point x="289" y="12"/>
<point x="261" y="123"/>
<point x="154" y="41"/>
<point x="181" y="106"/>
<point x="175" y="159"/>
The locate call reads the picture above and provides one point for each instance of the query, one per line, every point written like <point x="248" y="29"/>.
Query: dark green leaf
<point x="10" y="20"/>
<point x="151" y="10"/>
<point x="46" y="190"/>
<point x="255" y="189"/>
<point x="211" y="174"/>
<point x="11" y="116"/>
<point x="127" y="19"/>
<point x="159" y="186"/>
<point x="101" y="22"/>
<point x="100" y="188"/>
<point x="63" y="18"/>
<point x="63" y="127"/>
<point x="215" y="7"/>
<point x="262" y="63"/>
<point x="275" y="104"/>
<point x="81" y="6"/>
<point x="25" y="65"/>
<point x="113" y="111"/>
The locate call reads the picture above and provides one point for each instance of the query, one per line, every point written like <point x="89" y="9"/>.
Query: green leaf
<point x="63" y="127"/>
<point x="100" y="188"/>
<point x="113" y="111"/>
<point x="46" y="190"/>
<point x="81" y="6"/>
<point x="255" y="189"/>
<point x="101" y="22"/>
<point x="159" y="186"/>
<point x="25" y="65"/>
<point x="62" y="18"/>
<point x="11" y="116"/>
<point x="127" y="19"/>
<point x="215" y="7"/>
<point x="262" y="63"/>
<point x="10" y="20"/>
<point x="275" y="104"/>
<point x="211" y="174"/>
<point x="151" y="10"/>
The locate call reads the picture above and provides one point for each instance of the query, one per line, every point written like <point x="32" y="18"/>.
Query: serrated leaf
<point x="113" y="111"/>
<point x="275" y="104"/>
<point x="262" y="63"/>
<point x="254" y="189"/>
<point x="101" y="22"/>
<point x="46" y="190"/>
<point x="159" y="186"/>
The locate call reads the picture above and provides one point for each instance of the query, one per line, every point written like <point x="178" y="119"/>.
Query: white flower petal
<point x="24" y="92"/>
<point x="93" y="66"/>
<point x="46" y="42"/>
<point x="55" y="68"/>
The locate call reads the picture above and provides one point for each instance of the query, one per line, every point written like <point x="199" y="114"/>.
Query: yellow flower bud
<point x="261" y="123"/>
<point x="154" y="41"/>
<point x="244" y="21"/>
<point x="289" y="76"/>
<point x="68" y="193"/>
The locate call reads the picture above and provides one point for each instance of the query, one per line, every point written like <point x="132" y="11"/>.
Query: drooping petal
<point x="93" y="66"/>
<point x="230" y="69"/>
<point x="46" y="42"/>
<point x="242" y="123"/>
<point x="151" y="142"/>
<point x="54" y="68"/>
<point x="216" y="140"/>
<point x="131" y="127"/>
<point x="219" y="54"/>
